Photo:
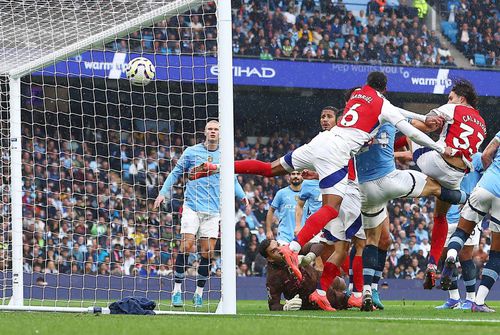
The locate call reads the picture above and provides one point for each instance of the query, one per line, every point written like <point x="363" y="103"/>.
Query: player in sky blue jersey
<point x="468" y="267"/>
<point x="380" y="182"/>
<point x="283" y="205"/>
<point x="484" y="199"/>
<point x="201" y="210"/>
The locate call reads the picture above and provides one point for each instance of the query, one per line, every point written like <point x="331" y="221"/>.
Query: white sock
<point x="367" y="288"/>
<point x="199" y="290"/>
<point x="357" y="294"/>
<point x="471" y="296"/>
<point x="374" y="286"/>
<point x="351" y="287"/>
<point x="321" y="292"/>
<point x="482" y="292"/>
<point x="454" y="294"/>
<point x="177" y="287"/>
<point x="294" y="246"/>
<point x="452" y="253"/>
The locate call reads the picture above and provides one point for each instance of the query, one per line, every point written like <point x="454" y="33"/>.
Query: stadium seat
<point x="479" y="60"/>
<point x="445" y="25"/>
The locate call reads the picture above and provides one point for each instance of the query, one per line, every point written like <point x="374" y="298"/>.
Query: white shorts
<point x="376" y="193"/>
<point x="326" y="154"/>
<point x="348" y="223"/>
<point x="200" y="224"/>
<point x="433" y="165"/>
<point x="318" y="238"/>
<point x="473" y="239"/>
<point x="480" y="203"/>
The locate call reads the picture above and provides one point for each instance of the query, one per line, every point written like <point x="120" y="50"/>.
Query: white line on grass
<point x="369" y="318"/>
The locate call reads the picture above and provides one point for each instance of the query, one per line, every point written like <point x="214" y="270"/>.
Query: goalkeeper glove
<point x="293" y="304"/>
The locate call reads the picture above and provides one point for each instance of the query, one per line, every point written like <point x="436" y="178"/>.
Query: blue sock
<point x="469" y="275"/>
<point x="180" y="266"/>
<point x="351" y="260"/>
<point x="370" y="263"/>
<point x="458" y="239"/>
<point x="454" y="280"/>
<point x="491" y="270"/>
<point x="382" y="256"/>
<point x="203" y="272"/>
<point x="452" y="196"/>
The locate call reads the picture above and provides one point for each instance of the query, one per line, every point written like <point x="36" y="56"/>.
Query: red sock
<point x="401" y="142"/>
<point x="315" y="223"/>
<point x="357" y="272"/>
<point x="345" y="266"/>
<point x="439" y="233"/>
<point x="330" y="271"/>
<point x="252" y="166"/>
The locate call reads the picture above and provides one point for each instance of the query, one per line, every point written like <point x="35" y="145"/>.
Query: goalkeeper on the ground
<point x="281" y="281"/>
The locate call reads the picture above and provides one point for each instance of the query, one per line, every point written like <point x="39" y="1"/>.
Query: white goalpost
<point x="83" y="152"/>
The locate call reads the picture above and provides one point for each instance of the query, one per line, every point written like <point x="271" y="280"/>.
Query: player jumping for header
<point x="329" y="153"/>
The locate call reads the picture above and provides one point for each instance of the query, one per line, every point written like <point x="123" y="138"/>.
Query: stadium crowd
<point x="87" y="207"/>
<point x="473" y="27"/>
<point x="325" y="31"/>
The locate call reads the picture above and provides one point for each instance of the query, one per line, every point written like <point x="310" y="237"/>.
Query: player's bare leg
<point x="314" y="224"/>
<point x="187" y="243"/>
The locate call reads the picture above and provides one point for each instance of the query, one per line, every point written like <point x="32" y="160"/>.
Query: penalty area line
<point x="368" y="318"/>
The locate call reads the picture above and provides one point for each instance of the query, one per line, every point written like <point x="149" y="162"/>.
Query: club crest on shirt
<point x="296" y="198"/>
<point x="210" y="159"/>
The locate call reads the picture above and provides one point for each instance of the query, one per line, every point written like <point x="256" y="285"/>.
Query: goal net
<point x="84" y="152"/>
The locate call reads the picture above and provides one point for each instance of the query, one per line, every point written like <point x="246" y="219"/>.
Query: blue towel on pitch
<point x="133" y="305"/>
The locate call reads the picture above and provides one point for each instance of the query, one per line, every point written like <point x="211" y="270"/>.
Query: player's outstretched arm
<point x="426" y="123"/>
<point x="392" y="115"/>
<point x="269" y="223"/>
<point x="419" y="137"/>
<point x="490" y="152"/>
<point x="299" y="211"/>
<point x="173" y="177"/>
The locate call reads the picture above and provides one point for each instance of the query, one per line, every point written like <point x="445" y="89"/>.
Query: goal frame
<point x="227" y="303"/>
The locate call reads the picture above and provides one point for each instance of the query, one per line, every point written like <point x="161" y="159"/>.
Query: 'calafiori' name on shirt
<point x="470" y="118"/>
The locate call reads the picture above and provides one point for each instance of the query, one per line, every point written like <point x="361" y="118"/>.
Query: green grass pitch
<point x="408" y="318"/>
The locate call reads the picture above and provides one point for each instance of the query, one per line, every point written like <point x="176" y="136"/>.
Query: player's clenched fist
<point x="293" y="304"/>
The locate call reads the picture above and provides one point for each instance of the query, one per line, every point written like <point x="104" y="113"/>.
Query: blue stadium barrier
<point x="64" y="287"/>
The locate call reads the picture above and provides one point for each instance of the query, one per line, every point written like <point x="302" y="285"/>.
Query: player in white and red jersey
<point x="464" y="130"/>
<point x="330" y="151"/>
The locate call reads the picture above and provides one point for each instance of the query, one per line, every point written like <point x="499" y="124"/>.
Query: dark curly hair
<point x="464" y="88"/>
<point x="263" y="247"/>
<point x="377" y="80"/>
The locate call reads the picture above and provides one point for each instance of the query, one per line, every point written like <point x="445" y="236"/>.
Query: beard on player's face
<point x="296" y="181"/>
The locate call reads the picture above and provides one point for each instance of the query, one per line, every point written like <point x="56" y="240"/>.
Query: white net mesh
<point x="5" y="238"/>
<point x="96" y="150"/>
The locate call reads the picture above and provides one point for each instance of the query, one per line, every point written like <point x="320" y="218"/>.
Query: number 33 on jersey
<point x="464" y="129"/>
